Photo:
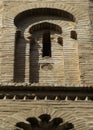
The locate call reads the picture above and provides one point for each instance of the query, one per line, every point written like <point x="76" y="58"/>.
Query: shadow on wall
<point x="19" y="64"/>
<point x="44" y="122"/>
<point x="34" y="61"/>
<point x="20" y="59"/>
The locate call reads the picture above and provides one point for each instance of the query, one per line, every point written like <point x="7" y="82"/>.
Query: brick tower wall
<point x="76" y="64"/>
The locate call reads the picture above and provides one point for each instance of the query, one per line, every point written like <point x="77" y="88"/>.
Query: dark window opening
<point x="60" y="41"/>
<point x="46" y="44"/>
<point x="74" y="35"/>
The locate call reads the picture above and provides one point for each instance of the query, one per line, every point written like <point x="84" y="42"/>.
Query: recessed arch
<point x="57" y="115"/>
<point x="28" y="18"/>
<point x="44" y="12"/>
<point x="45" y="122"/>
<point x="46" y="26"/>
<point x="41" y="31"/>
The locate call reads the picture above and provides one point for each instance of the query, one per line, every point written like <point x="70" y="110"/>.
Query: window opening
<point x="46" y="44"/>
<point x="74" y="35"/>
<point x="60" y="41"/>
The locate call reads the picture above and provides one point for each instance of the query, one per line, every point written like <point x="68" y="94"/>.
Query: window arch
<point x="46" y="26"/>
<point x="44" y="122"/>
<point x="44" y="12"/>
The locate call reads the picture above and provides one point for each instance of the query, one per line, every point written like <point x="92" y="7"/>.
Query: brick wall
<point x="79" y="113"/>
<point x="77" y="64"/>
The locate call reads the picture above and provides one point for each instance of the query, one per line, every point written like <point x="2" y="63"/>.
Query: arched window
<point x="46" y="38"/>
<point x="73" y="35"/>
<point x="46" y="44"/>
